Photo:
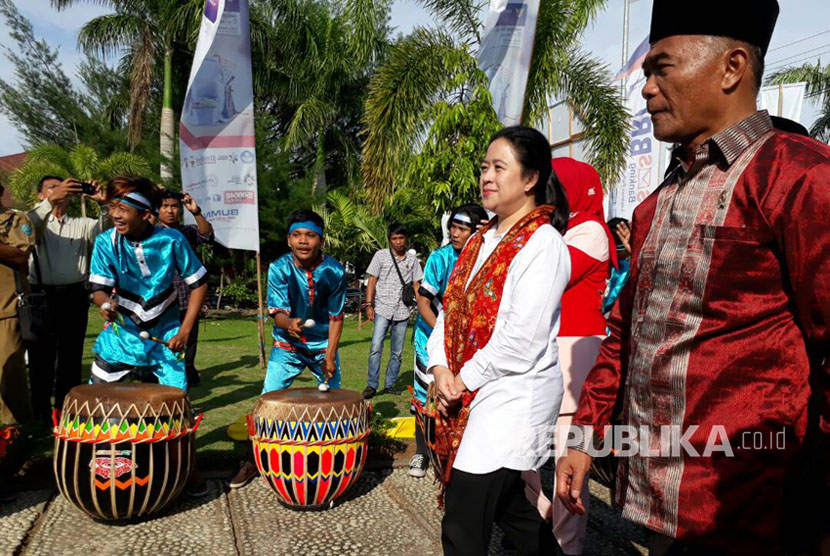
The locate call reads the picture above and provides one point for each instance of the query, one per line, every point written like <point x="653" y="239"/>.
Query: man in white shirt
<point x="59" y="266"/>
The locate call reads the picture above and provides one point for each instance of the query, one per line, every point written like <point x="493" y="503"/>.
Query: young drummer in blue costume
<point x="132" y="270"/>
<point x="305" y="284"/>
<point x="463" y="222"/>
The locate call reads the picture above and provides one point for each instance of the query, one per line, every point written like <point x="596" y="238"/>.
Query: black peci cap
<point x="751" y="21"/>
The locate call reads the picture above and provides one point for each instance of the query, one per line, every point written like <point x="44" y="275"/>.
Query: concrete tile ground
<point x="387" y="513"/>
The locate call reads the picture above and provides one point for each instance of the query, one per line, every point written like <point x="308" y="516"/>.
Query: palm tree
<point x="817" y="78"/>
<point x="147" y="32"/>
<point x="82" y="162"/>
<point x="433" y="70"/>
<point x="320" y="100"/>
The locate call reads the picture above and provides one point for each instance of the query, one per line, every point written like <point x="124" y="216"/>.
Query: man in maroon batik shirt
<point x="723" y="330"/>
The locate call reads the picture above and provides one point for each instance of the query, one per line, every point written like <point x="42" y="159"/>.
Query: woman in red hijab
<point x="582" y="328"/>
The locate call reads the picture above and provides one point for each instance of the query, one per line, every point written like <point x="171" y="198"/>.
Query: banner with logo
<point x="505" y="54"/>
<point x="216" y="132"/>
<point x="642" y="168"/>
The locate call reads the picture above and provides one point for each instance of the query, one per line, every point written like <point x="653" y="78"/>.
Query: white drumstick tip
<point x="106" y="306"/>
<point x="144" y="335"/>
<point x="309" y="323"/>
<point x="323" y="387"/>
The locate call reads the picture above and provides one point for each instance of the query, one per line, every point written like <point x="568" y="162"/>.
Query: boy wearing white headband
<point x="131" y="277"/>
<point x="463" y="223"/>
<point x="306" y="299"/>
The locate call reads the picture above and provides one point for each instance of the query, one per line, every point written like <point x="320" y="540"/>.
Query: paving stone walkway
<point x="386" y="513"/>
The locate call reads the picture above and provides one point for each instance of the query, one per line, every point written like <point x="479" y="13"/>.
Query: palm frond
<point x="367" y="19"/>
<point x="109" y="34"/>
<point x="123" y="163"/>
<point x="23" y="181"/>
<point x="84" y="161"/>
<point x="311" y="117"/>
<point x="585" y="82"/>
<point x="52" y="154"/>
<point x="816" y="76"/>
<point x="821" y="127"/>
<point x="460" y="16"/>
<point x="399" y="103"/>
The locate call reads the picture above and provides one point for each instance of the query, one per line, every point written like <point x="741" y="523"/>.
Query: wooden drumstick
<point x="146" y="336"/>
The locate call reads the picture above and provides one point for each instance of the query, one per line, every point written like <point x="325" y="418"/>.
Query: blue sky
<point x="799" y="19"/>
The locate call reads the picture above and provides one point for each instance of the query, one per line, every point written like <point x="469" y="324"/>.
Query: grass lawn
<point x="232" y="380"/>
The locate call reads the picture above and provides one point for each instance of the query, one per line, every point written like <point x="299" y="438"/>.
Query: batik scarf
<point x="470" y="316"/>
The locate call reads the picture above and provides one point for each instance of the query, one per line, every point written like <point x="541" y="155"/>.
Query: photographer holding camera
<point x="59" y="266"/>
<point x="195" y="234"/>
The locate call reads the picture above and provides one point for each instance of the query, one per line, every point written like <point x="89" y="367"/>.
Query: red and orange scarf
<point x="470" y="316"/>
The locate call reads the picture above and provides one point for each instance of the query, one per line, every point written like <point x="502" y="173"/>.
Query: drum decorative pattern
<point x="311" y="457"/>
<point x="120" y="461"/>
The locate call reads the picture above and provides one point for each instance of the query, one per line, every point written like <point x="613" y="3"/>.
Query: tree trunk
<point x="319" y="184"/>
<point x="168" y="133"/>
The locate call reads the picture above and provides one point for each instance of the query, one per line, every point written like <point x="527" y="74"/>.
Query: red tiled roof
<point x="9" y="164"/>
<point x="12" y="162"/>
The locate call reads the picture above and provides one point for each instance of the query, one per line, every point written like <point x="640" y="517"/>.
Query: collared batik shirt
<point x="195" y="238"/>
<point x="722" y="326"/>
<point x="318" y="294"/>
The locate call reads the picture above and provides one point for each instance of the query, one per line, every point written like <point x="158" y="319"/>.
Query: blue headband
<point x="135" y="200"/>
<point x="307" y="225"/>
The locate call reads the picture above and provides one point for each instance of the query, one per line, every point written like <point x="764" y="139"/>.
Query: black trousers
<point x="190" y="352"/>
<point x="474" y="502"/>
<point x="55" y="363"/>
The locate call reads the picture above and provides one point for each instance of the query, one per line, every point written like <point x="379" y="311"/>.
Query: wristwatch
<point x="198" y="211"/>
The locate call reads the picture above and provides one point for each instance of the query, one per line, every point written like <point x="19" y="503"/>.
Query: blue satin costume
<point x="436" y="277"/>
<point x="141" y="273"/>
<point x="318" y="294"/>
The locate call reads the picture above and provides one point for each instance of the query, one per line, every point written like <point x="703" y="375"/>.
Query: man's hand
<point x="329" y="366"/>
<point x="69" y="186"/>
<point x="190" y="203"/>
<point x="179" y="341"/>
<point x="570" y="474"/>
<point x="295" y="328"/>
<point x="370" y="312"/>
<point x="100" y="195"/>
<point x="448" y="393"/>
<point x="625" y="236"/>
<point x="109" y="314"/>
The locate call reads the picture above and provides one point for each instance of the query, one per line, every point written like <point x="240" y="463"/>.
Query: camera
<point x="87" y="188"/>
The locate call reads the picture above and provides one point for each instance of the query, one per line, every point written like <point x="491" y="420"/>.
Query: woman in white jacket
<point x="493" y="351"/>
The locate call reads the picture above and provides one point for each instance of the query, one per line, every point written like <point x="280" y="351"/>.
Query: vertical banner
<point x="216" y="132"/>
<point x="642" y="165"/>
<point x="506" y="49"/>
<point x="786" y="101"/>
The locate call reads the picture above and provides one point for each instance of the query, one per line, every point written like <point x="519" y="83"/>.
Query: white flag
<point x="505" y="54"/>
<point x="216" y="132"/>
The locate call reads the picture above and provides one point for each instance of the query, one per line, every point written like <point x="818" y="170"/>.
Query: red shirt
<point x="725" y="322"/>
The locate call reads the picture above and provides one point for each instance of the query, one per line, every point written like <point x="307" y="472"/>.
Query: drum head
<point x="132" y="399"/>
<point x="282" y="404"/>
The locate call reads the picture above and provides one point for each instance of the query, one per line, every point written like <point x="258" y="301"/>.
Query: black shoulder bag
<point x="33" y="309"/>
<point x="408" y="291"/>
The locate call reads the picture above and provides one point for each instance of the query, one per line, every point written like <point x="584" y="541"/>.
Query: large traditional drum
<point x="124" y="450"/>
<point x="310" y="446"/>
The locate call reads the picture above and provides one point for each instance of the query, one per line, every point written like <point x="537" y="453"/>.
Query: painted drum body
<point x="124" y="450"/>
<point x="310" y="446"/>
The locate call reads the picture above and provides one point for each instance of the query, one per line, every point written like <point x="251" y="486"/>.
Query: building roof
<point x="9" y="164"/>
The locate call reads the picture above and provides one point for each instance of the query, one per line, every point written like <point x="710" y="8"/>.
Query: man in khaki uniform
<point x="17" y="239"/>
